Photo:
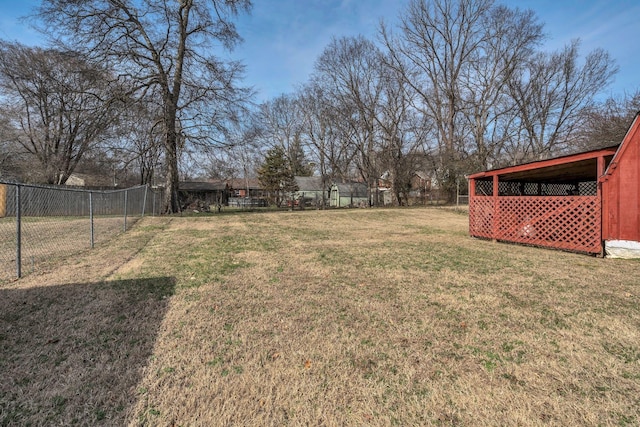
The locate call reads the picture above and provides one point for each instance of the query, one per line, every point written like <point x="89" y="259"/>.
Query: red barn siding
<point x="621" y="190"/>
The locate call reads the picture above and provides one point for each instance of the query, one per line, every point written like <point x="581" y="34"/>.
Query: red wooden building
<point x="587" y="202"/>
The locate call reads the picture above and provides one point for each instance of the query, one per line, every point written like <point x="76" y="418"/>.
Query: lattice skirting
<point x="562" y="222"/>
<point x="481" y="217"/>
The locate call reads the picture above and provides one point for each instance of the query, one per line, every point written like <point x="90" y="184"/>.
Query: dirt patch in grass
<point x="363" y="317"/>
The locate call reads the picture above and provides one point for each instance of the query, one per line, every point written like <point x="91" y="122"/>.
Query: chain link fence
<point x="40" y="224"/>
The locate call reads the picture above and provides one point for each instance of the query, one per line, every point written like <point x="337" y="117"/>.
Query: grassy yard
<point x="345" y="318"/>
<point x="46" y="240"/>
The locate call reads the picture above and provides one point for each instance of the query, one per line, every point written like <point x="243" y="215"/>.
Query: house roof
<point x="89" y="180"/>
<point x="422" y="175"/>
<point x="218" y="185"/>
<point x="309" y="183"/>
<point x="356" y="189"/>
<point x="201" y="185"/>
<point x="241" y="183"/>
<point x="570" y="168"/>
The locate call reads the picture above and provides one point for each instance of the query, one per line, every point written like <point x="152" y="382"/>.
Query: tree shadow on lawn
<point x="74" y="354"/>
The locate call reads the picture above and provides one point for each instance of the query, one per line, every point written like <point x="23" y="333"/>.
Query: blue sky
<point x="283" y="38"/>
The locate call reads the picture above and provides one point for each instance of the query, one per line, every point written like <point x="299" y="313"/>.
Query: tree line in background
<point x="133" y="92"/>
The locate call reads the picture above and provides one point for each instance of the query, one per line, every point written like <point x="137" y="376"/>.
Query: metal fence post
<point x="18" y="234"/>
<point x="144" y="199"/>
<point x="125" y="209"/>
<point x="91" y="216"/>
<point x="45" y="204"/>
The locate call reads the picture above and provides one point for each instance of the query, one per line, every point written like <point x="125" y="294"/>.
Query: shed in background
<point x="311" y="191"/>
<point x="350" y="194"/>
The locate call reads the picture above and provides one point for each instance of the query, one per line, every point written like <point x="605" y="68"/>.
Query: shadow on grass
<point x="74" y="354"/>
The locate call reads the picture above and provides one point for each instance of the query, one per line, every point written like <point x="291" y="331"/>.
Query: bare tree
<point x="357" y="115"/>
<point x="140" y="142"/>
<point x="59" y="103"/>
<point x="552" y="93"/>
<point x="165" y="46"/>
<point x="240" y="160"/>
<point x="325" y="129"/>
<point x="438" y="42"/>
<point x="478" y="77"/>
<point x="8" y="150"/>
<point x="508" y="39"/>
<point x="606" y="124"/>
<point x="402" y="134"/>
<point x="321" y="136"/>
<point x="281" y="124"/>
<point x="352" y="74"/>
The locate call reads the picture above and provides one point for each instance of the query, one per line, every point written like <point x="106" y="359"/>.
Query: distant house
<point x="77" y="180"/>
<point x="350" y="194"/>
<point x="420" y="184"/>
<point x="88" y="181"/>
<point x="249" y="187"/>
<point x="206" y="193"/>
<point x="246" y="193"/>
<point x="232" y="192"/>
<point x="310" y="191"/>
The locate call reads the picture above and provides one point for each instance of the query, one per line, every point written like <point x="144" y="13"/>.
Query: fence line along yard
<point x="41" y="223"/>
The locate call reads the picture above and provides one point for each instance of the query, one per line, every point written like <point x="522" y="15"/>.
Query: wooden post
<point x="3" y="200"/>
<point x="600" y="170"/>
<point x="472" y="188"/>
<point x="604" y="205"/>
<point x="496" y="208"/>
<point x="471" y="194"/>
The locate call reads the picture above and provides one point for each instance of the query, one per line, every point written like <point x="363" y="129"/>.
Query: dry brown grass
<point x="46" y="240"/>
<point x="363" y="317"/>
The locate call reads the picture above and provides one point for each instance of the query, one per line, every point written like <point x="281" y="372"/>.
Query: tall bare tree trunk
<point x="171" y="203"/>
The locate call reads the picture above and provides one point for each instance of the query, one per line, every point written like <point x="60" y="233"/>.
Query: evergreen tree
<point x="276" y="177"/>
<point x="298" y="160"/>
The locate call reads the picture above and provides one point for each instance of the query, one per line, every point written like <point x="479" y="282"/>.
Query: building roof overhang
<point x="571" y="168"/>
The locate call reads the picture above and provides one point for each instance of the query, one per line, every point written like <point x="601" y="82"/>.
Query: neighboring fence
<point x="247" y="202"/>
<point x="462" y="200"/>
<point x="39" y="224"/>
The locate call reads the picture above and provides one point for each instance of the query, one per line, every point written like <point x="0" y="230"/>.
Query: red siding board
<point x="628" y="201"/>
<point x="621" y="190"/>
